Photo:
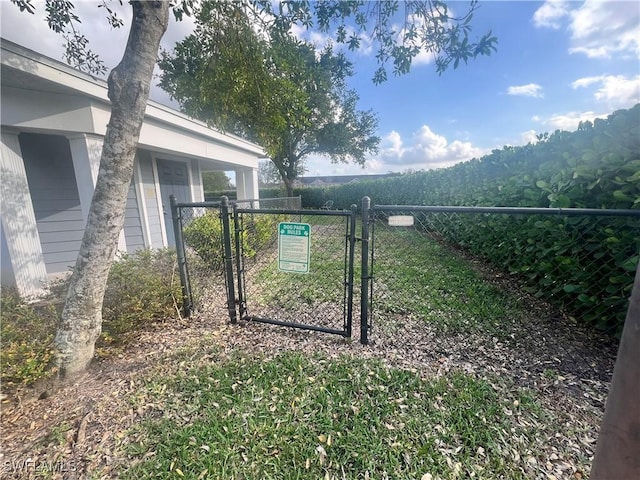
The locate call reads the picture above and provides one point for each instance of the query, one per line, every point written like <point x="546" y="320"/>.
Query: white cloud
<point x="529" y="90"/>
<point x="569" y="121"/>
<point x="601" y="29"/>
<point x="528" y="137"/>
<point x="598" y="29"/>
<point x="615" y="91"/>
<point x="586" y="81"/>
<point x="550" y="14"/>
<point x="425" y="150"/>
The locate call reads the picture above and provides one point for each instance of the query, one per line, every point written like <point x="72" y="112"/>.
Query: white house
<point x="54" y="120"/>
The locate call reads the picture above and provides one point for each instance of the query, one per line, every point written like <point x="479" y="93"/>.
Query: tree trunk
<point x="288" y="185"/>
<point x="129" y="84"/>
<point x="618" y="449"/>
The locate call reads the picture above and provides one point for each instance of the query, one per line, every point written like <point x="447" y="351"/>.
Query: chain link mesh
<point x="466" y="271"/>
<point x="204" y="255"/>
<point x="284" y="203"/>
<point x="316" y="298"/>
<point x="458" y="271"/>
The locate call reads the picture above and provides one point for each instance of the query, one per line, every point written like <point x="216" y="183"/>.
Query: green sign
<point x="294" y="247"/>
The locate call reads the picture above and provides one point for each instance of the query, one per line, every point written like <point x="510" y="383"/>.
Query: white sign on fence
<point x="294" y="247"/>
<point x="401" y="221"/>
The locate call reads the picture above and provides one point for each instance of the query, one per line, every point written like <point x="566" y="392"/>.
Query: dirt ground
<point x="75" y="429"/>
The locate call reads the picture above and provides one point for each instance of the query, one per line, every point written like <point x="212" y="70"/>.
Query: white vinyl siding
<point x="54" y="194"/>
<point x="151" y="198"/>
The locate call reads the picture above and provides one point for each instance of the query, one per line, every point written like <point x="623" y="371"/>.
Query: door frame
<point x="156" y="173"/>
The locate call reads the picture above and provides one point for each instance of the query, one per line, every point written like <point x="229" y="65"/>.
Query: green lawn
<point x="415" y="275"/>
<point x="295" y="417"/>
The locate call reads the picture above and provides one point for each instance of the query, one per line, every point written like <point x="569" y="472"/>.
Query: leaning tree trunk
<point x="618" y="449"/>
<point x="129" y="84"/>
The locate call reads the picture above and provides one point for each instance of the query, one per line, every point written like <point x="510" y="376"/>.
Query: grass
<point x="323" y="283"/>
<point x="300" y="416"/>
<point x="295" y="417"/>
<point x="413" y="274"/>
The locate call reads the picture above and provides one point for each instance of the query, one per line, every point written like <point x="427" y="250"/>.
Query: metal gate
<point x="281" y="266"/>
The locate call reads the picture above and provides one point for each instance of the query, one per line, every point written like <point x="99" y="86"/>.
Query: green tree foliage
<point x="215" y="181"/>
<point x="282" y="93"/>
<point x="277" y="92"/>
<point x="400" y="30"/>
<point x="428" y="26"/>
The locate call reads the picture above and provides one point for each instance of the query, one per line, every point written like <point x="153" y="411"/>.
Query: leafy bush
<point x="204" y="235"/>
<point x="142" y="288"/>
<point x="585" y="264"/>
<point x="27" y="339"/>
<point x="597" y="166"/>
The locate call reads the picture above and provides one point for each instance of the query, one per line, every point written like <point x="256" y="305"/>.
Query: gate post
<point x="187" y="300"/>
<point x="228" y="258"/>
<point x="242" y="303"/>
<point x="350" y="271"/>
<point x="364" y="285"/>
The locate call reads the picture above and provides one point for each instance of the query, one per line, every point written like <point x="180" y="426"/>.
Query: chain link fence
<point x="289" y="203"/>
<point x="295" y="268"/>
<point x="466" y="268"/>
<point x="198" y="228"/>
<point x="231" y="250"/>
<point x="460" y="269"/>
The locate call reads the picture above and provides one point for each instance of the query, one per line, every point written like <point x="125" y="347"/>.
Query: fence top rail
<point x="215" y="204"/>
<point x="288" y="211"/>
<point x="218" y="203"/>
<point x="510" y="210"/>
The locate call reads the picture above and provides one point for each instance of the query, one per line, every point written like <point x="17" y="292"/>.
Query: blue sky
<point x="557" y="63"/>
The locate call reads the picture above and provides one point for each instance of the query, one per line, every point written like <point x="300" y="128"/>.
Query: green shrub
<point x="258" y="231"/>
<point x="584" y="264"/>
<point x="143" y="287"/>
<point x="204" y="236"/>
<point x="27" y="332"/>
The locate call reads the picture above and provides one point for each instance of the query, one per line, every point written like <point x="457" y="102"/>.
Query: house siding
<point x="59" y="219"/>
<point x="7" y="276"/>
<point x="151" y="198"/>
<point x="132" y="224"/>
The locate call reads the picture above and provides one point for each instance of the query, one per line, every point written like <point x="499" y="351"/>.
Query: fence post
<point x="239" y="265"/>
<point x="364" y="284"/>
<point x="228" y="258"/>
<point x="350" y="272"/>
<point x="187" y="300"/>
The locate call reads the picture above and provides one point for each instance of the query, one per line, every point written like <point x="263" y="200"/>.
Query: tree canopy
<point x="215" y="181"/>
<point x="278" y="90"/>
